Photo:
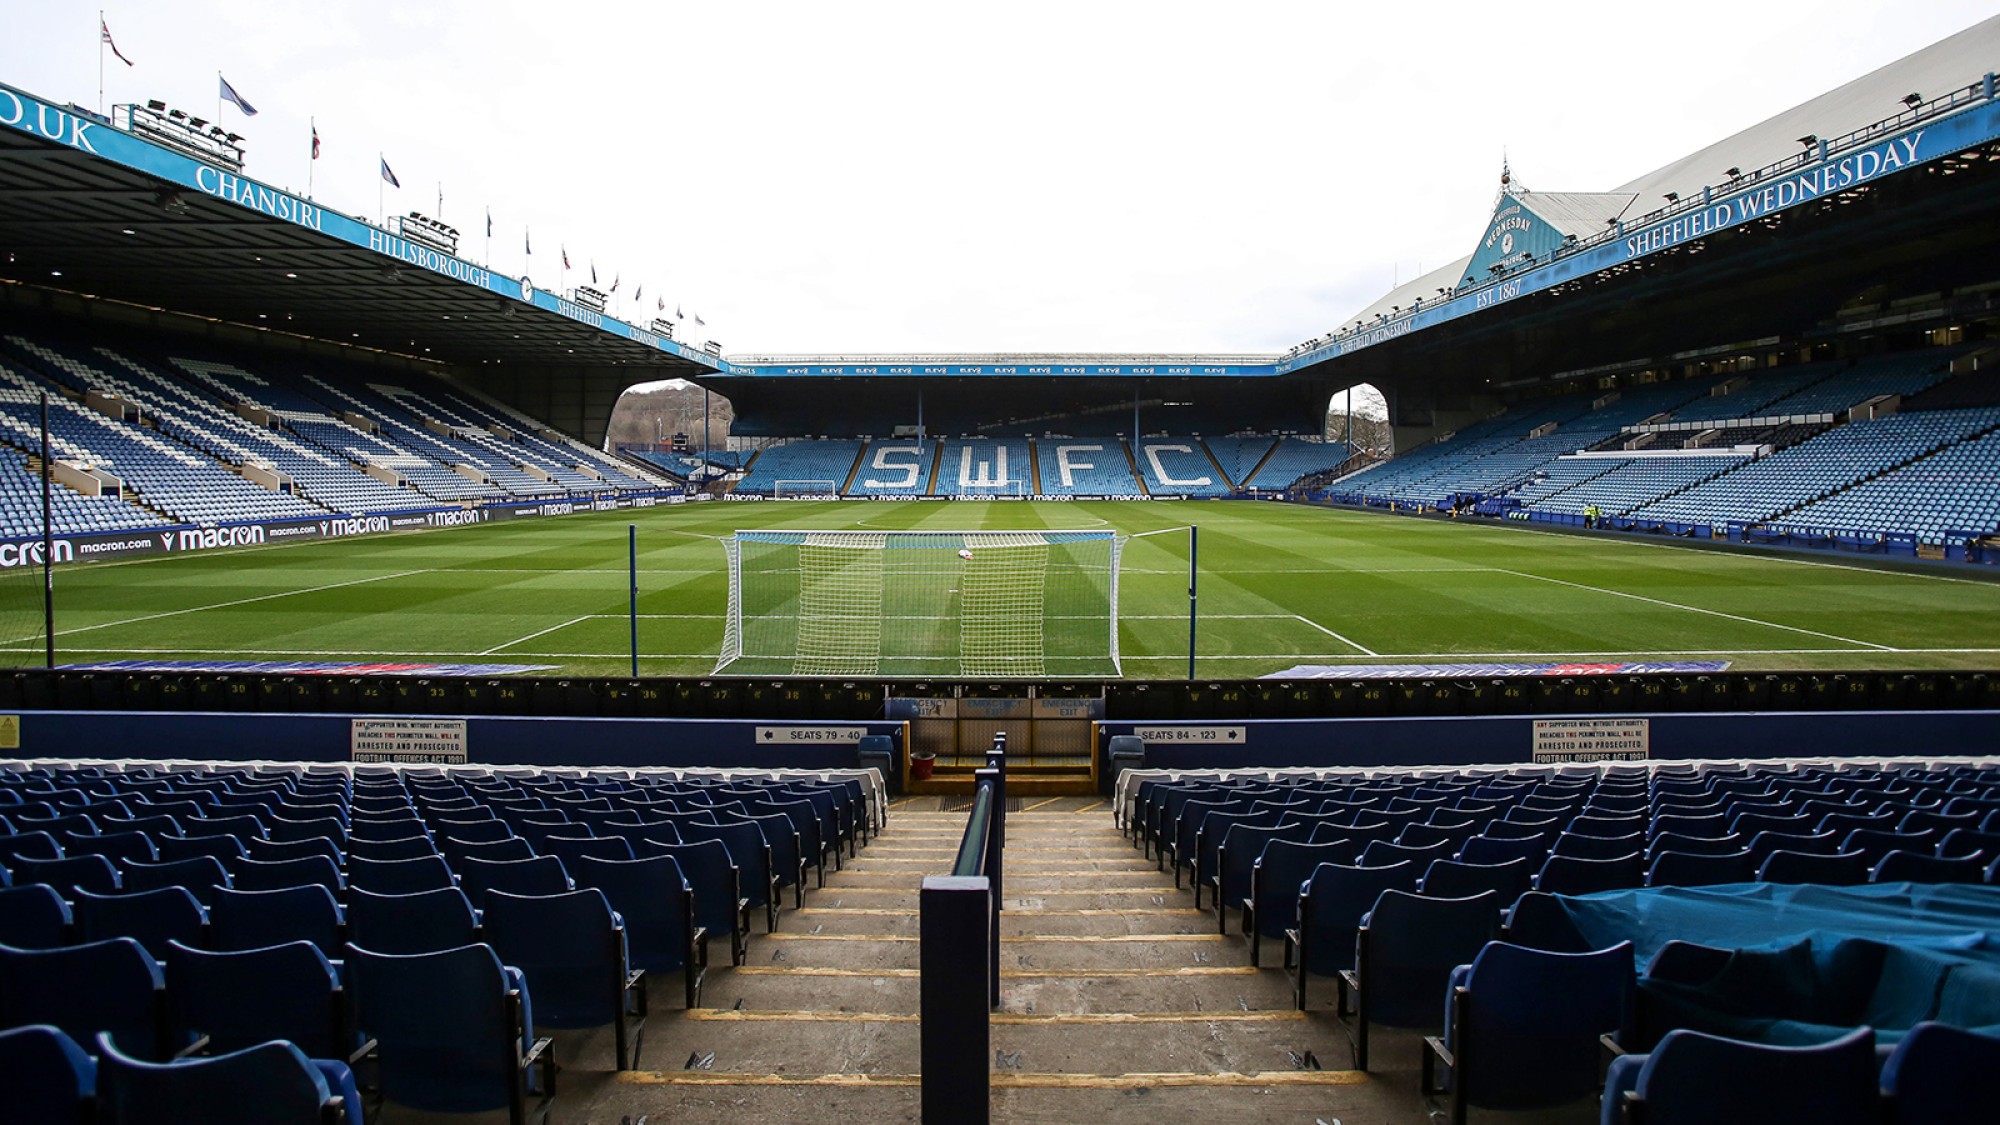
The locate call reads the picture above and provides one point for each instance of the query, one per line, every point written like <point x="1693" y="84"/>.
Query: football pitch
<point x="1279" y="585"/>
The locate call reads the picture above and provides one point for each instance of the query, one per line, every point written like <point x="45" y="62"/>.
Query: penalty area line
<point x="540" y="633"/>
<point x="240" y="601"/>
<point x="1365" y="650"/>
<point x="1698" y="609"/>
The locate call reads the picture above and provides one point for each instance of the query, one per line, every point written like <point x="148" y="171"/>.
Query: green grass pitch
<point x="1279" y="585"/>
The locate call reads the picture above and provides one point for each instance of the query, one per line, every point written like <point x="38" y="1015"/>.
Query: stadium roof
<point x="1935" y="71"/>
<point x="93" y="208"/>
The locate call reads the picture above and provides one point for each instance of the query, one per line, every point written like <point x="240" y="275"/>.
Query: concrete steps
<point x="1120" y="1002"/>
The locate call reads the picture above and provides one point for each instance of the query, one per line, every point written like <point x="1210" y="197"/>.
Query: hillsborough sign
<point x="22" y="112"/>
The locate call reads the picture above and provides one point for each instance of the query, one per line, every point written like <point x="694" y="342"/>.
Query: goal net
<point x="982" y="604"/>
<point x="805" y="490"/>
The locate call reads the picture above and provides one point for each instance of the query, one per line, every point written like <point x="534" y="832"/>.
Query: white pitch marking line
<point x="1739" y="556"/>
<point x="1366" y="651"/>
<point x="541" y="632"/>
<point x="241" y="601"/>
<point x="1623" y="655"/>
<point x="1295" y="657"/>
<point x="1698" y="609"/>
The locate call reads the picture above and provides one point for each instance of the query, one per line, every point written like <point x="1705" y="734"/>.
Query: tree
<point x="655" y="412"/>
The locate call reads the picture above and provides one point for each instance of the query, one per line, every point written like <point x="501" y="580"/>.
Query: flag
<point x="565" y="254"/>
<point x="638" y="290"/>
<point x="663" y="304"/>
<point x="678" y="315"/>
<point x="315" y="129"/>
<point x="527" y="242"/>
<point x="593" y="273"/>
<point x="230" y="95"/>
<point x="104" y="33"/>
<point x="387" y="175"/>
<point x="614" y="283"/>
<point x="699" y="322"/>
<point x="489" y="222"/>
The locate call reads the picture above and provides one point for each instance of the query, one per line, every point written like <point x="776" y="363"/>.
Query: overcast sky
<point x="934" y="177"/>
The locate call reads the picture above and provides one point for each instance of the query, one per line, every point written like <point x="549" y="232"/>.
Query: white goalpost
<point x="981" y="604"/>
<point x="805" y="490"/>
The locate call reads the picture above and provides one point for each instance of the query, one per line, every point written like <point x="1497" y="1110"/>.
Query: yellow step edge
<point x="1006" y="1080"/>
<point x="1025" y="912"/>
<point x="1026" y="1019"/>
<point x="1078" y="939"/>
<point x="1018" y="974"/>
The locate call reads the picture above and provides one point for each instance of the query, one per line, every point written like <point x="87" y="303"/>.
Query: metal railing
<point x="959" y="958"/>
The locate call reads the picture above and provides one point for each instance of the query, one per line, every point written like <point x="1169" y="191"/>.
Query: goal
<point x="805" y="490"/>
<point x="984" y="604"/>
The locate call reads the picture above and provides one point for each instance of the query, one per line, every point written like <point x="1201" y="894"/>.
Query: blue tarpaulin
<point x="1806" y="963"/>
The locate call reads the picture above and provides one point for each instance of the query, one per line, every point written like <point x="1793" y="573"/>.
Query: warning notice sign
<point x="419" y="741"/>
<point x="1591" y="740"/>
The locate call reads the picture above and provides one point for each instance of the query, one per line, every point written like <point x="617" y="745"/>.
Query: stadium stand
<point x="1617" y="485"/>
<point x="1239" y="456"/>
<point x="175" y="439"/>
<point x="1777" y="447"/>
<point x="1085" y="467"/>
<point x="1293" y="458"/>
<point x="807" y="467"/>
<point x="985" y="467"/>
<point x="896" y="467"/>
<point x="1173" y="467"/>
<point x="1846" y="455"/>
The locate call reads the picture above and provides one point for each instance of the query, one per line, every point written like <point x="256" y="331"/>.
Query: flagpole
<point x="312" y="157"/>
<point x="101" y="28"/>
<point x="218" y="96"/>
<point x="381" y="207"/>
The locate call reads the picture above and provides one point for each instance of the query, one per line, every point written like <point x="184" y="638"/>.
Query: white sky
<point x="925" y="177"/>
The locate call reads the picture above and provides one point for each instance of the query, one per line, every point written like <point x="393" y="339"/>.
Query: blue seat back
<point x="1680" y="869"/>
<point x="1570" y="875"/>
<point x="1331" y="904"/>
<point x="747" y="851"/>
<point x="1841" y="869"/>
<point x="33" y="916"/>
<point x="278" y="874"/>
<point x="1942" y="1073"/>
<point x="240" y="919"/>
<point x="266" y="1084"/>
<point x="1525" y="1029"/>
<point x="445" y="1029"/>
<point x="1411" y="943"/>
<point x="399" y="876"/>
<point x="707" y="866"/>
<point x="111" y="985"/>
<point x="1447" y="878"/>
<point x="239" y="999"/>
<point x="1920" y="867"/>
<point x="423" y="922"/>
<point x="413" y="846"/>
<point x="66" y="875"/>
<point x="1486" y="850"/>
<point x="1280" y="871"/>
<point x="1692" y="1078"/>
<point x="45" y="1075"/>
<point x="653" y="898"/>
<point x="151" y="918"/>
<point x="540" y="875"/>
<point x="568" y="947"/>
<point x="200" y="874"/>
